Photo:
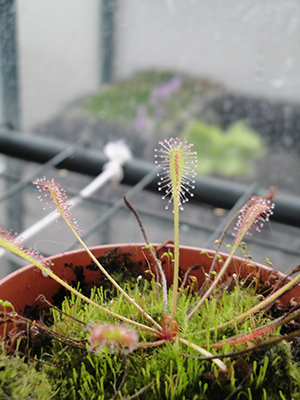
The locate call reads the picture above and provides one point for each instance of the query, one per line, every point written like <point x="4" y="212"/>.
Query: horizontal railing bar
<point x="212" y="191"/>
<point x="167" y="217"/>
<point x="58" y="158"/>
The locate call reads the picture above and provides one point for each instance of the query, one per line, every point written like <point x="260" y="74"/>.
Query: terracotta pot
<point x="22" y="287"/>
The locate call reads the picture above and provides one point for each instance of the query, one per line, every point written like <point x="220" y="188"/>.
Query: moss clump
<point x="121" y="100"/>
<point x="168" y="371"/>
<point x="67" y="371"/>
<point x="21" y="380"/>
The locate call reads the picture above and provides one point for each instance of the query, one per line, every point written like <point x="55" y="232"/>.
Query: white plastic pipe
<point x="118" y="154"/>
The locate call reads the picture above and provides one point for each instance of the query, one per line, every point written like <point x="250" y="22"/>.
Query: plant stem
<point x="102" y="269"/>
<point x="262" y="304"/>
<point x="152" y="251"/>
<point x="14" y="249"/>
<point x="206" y="353"/>
<point x="176" y="256"/>
<point x="258" y="209"/>
<point x="216" y="281"/>
<point x="271" y="326"/>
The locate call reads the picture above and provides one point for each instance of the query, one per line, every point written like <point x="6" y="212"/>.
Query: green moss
<point x="121" y="100"/>
<point x="21" y="380"/>
<point x="171" y="371"/>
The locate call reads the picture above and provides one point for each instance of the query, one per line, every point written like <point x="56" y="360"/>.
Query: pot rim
<point x="23" y="286"/>
<point x="137" y="245"/>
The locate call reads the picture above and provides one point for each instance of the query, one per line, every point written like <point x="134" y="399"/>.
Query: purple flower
<point x="166" y="89"/>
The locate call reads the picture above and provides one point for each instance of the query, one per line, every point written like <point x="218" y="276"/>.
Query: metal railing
<point x="211" y="191"/>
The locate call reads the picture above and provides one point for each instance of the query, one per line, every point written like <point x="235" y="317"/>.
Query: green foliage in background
<point x="226" y="153"/>
<point x="121" y="100"/>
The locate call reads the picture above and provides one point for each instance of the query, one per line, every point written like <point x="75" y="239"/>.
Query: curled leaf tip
<point x="253" y="215"/>
<point x="57" y="195"/>
<point x="10" y="241"/>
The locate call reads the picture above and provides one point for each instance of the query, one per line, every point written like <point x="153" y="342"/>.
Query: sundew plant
<point x="176" y="162"/>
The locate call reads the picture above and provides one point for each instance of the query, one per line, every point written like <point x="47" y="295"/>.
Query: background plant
<point x="161" y="94"/>
<point x="226" y="153"/>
